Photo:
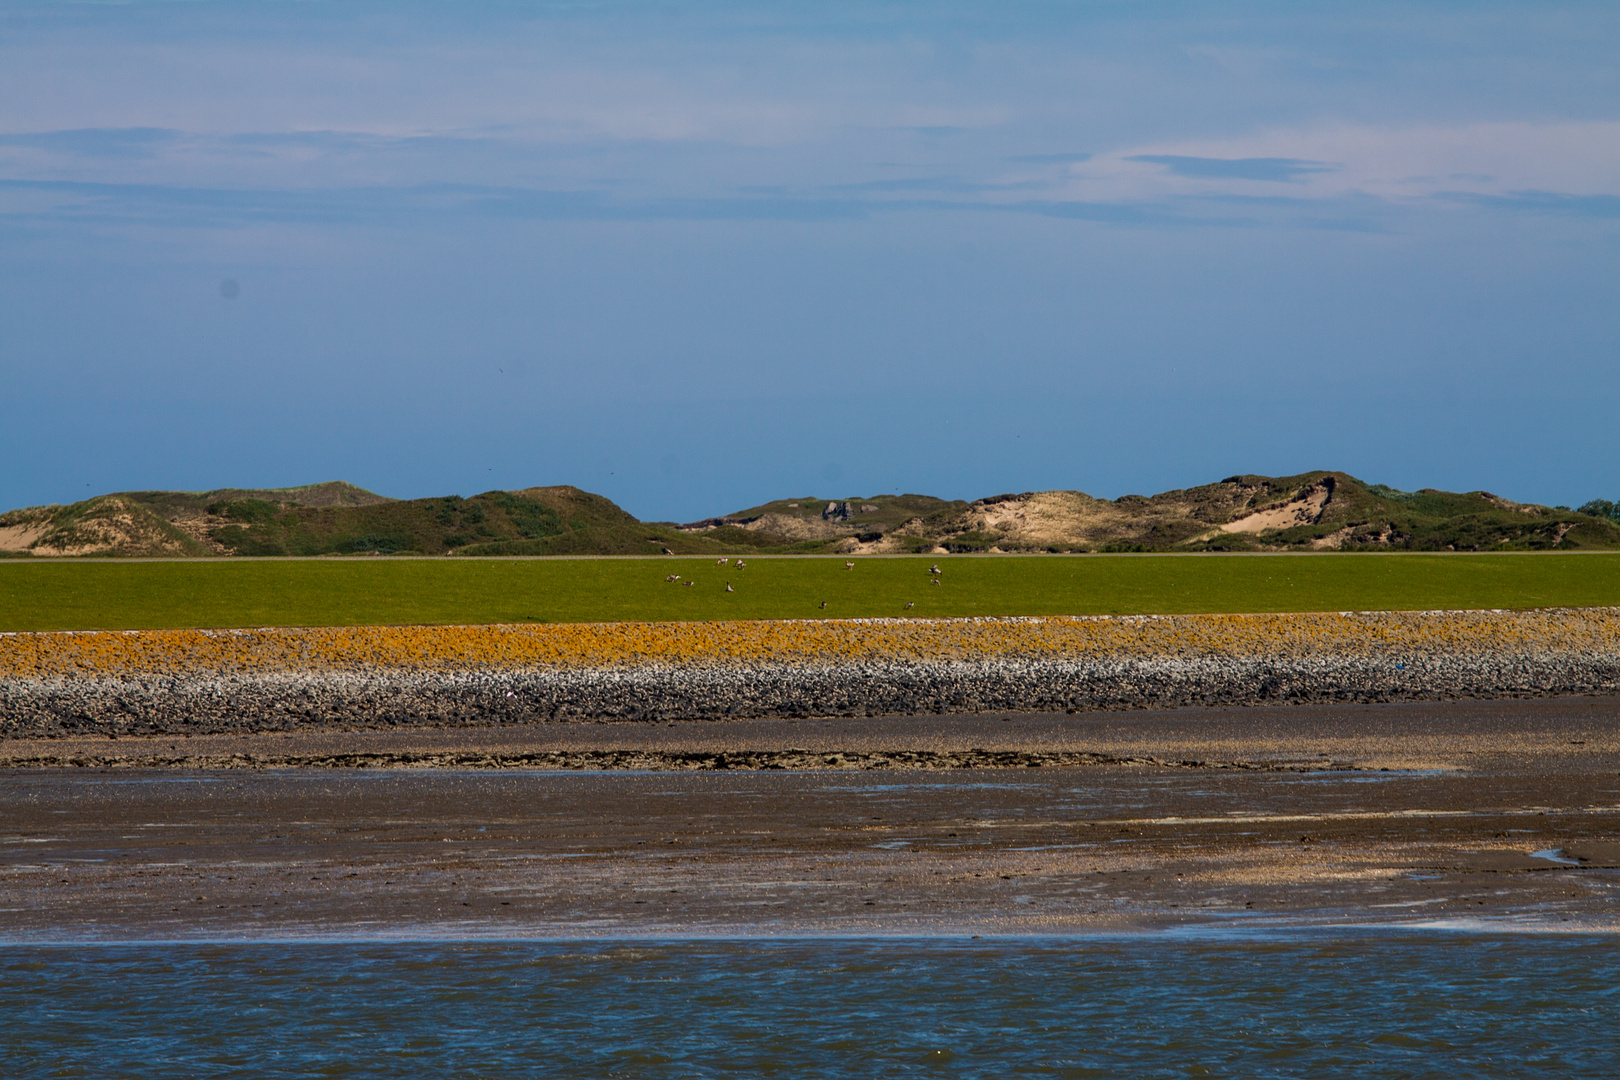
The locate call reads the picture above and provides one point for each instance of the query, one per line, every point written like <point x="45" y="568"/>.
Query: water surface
<point x="1357" y="1004"/>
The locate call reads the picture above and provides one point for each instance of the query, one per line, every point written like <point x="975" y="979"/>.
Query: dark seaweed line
<point x="641" y="760"/>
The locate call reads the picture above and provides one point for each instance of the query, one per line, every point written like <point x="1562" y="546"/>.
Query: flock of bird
<point x="933" y="577"/>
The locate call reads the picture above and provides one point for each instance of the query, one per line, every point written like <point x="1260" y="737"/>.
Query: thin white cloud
<point x="565" y="105"/>
<point x="1336" y="161"/>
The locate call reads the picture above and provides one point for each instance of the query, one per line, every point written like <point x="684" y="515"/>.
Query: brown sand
<point x="1239" y="824"/>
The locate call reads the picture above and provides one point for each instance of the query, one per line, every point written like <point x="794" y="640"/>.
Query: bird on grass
<point x="849" y="566"/>
<point x="934" y="569"/>
<point x="824" y="603"/>
<point x="933" y="581"/>
<point x="688" y="583"/>
<point x="910" y="605"/>
<point x="741" y="564"/>
<point x="720" y="562"/>
<point x="673" y="577"/>
<point x="729" y="588"/>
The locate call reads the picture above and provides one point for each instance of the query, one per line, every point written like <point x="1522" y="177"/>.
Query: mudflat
<point x="1506" y="812"/>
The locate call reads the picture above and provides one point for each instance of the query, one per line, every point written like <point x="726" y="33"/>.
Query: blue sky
<point x="696" y="256"/>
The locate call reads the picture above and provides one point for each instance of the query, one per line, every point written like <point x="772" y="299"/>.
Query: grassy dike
<point x="79" y="595"/>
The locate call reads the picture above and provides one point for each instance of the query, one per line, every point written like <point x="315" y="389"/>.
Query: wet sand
<point x="1504" y="811"/>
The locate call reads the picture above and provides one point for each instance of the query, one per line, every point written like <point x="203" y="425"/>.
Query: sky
<point x="698" y="256"/>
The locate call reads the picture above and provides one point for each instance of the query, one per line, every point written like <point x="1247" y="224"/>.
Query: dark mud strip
<point x="1563" y="734"/>
<point x="643" y="761"/>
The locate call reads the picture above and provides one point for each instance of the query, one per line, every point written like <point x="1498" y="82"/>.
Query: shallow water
<point x="1360" y="1004"/>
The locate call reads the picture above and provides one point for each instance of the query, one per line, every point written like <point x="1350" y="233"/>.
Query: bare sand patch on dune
<point x="794" y="528"/>
<point x="1050" y="517"/>
<point x="18" y="537"/>
<point x="1306" y="509"/>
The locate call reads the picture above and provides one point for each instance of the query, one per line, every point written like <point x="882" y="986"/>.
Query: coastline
<point x="1186" y="773"/>
<point x="218" y="681"/>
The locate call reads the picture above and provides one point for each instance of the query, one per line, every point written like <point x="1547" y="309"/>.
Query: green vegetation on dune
<point x="481" y="524"/>
<point x="1310" y="511"/>
<point x="61" y="595"/>
<point x="340" y="519"/>
<point x="330" y="493"/>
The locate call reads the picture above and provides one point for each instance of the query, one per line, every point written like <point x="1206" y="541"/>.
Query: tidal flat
<point x="1500" y="815"/>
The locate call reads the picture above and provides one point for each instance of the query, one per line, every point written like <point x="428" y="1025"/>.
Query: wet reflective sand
<point x="1507" y="812"/>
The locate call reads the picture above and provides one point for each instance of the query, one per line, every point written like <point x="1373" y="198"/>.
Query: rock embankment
<point x="208" y="681"/>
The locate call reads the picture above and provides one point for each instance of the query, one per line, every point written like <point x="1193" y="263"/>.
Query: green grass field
<point x="69" y="595"/>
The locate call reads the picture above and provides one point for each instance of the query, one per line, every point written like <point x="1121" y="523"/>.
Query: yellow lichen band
<point x="1588" y="631"/>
